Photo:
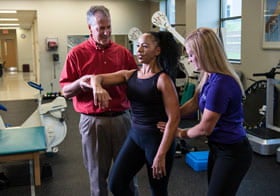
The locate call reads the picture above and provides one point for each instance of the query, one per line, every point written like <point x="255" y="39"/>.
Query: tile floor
<point x="13" y="86"/>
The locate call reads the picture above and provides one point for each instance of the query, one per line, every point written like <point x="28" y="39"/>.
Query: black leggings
<point x="227" y="165"/>
<point x="134" y="154"/>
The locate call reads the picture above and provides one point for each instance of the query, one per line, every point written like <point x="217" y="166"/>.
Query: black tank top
<point x="147" y="107"/>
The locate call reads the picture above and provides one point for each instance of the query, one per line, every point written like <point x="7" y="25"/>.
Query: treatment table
<point x="21" y="144"/>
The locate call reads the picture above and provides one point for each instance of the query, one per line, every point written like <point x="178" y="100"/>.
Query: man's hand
<point x="85" y="83"/>
<point x="161" y="125"/>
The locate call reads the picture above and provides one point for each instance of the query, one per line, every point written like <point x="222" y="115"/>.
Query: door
<point x="9" y="52"/>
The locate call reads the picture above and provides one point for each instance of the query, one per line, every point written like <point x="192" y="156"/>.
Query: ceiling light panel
<point x="8" y="19"/>
<point x="8" y="11"/>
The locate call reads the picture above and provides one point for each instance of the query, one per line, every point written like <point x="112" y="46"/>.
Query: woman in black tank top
<point x="153" y="98"/>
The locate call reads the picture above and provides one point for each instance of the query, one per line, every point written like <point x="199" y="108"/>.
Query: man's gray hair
<point x="96" y="8"/>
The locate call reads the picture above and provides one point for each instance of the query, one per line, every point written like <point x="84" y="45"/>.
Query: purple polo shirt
<point x="222" y="94"/>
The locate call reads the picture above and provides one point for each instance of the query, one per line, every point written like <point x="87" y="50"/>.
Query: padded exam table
<point x="18" y="144"/>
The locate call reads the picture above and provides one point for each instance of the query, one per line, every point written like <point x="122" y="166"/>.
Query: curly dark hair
<point x="170" y="52"/>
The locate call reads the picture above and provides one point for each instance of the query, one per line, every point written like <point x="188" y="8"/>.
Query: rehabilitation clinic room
<point x="35" y="37"/>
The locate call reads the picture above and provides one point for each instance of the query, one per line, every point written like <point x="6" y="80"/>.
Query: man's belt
<point x="107" y="114"/>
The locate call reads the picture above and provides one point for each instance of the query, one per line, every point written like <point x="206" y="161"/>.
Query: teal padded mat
<point x="21" y="140"/>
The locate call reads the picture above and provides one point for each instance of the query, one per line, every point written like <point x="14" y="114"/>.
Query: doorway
<point x="8" y="48"/>
<point x="18" y="40"/>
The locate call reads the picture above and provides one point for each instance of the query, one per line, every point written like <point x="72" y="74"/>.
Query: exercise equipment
<point x="49" y="115"/>
<point x="134" y="33"/>
<point x="159" y="19"/>
<point x="261" y="113"/>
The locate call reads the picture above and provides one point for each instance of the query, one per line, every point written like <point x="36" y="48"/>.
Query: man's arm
<point x="80" y="85"/>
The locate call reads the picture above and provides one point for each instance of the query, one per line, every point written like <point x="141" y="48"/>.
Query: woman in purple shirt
<point x="219" y="99"/>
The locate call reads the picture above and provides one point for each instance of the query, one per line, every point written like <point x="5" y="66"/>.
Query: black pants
<point x="227" y="166"/>
<point x="137" y="151"/>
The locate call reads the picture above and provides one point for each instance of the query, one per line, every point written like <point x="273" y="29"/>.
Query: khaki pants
<point x="102" y="138"/>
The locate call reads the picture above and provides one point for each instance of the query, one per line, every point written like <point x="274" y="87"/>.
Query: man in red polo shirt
<point x="103" y="130"/>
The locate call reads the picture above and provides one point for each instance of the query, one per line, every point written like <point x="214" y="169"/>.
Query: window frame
<point x="222" y="20"/>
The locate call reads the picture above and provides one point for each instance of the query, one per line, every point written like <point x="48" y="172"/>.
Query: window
<point x="230" y="26"/>
<point x="168" y="7"/>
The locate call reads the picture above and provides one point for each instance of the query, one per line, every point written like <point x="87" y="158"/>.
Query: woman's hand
<point x="180" y="133"/>
<point x="158" y="167"/>
<point x="101" y="97"/>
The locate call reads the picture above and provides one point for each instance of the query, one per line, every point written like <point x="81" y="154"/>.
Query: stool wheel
<point x="55" y="149"/>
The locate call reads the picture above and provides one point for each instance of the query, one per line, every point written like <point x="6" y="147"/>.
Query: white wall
<point x="25" y="49"/>
<point x="254" y="57"/>
<point x="180" y="17"/>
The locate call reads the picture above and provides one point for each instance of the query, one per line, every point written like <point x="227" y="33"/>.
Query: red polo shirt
<point x="86" y="58"/>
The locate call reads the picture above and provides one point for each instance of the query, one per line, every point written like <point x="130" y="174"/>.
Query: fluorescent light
<point x="8" y="25"/>
<point x="8" y="19"/>
<point x="8" y="11"/>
